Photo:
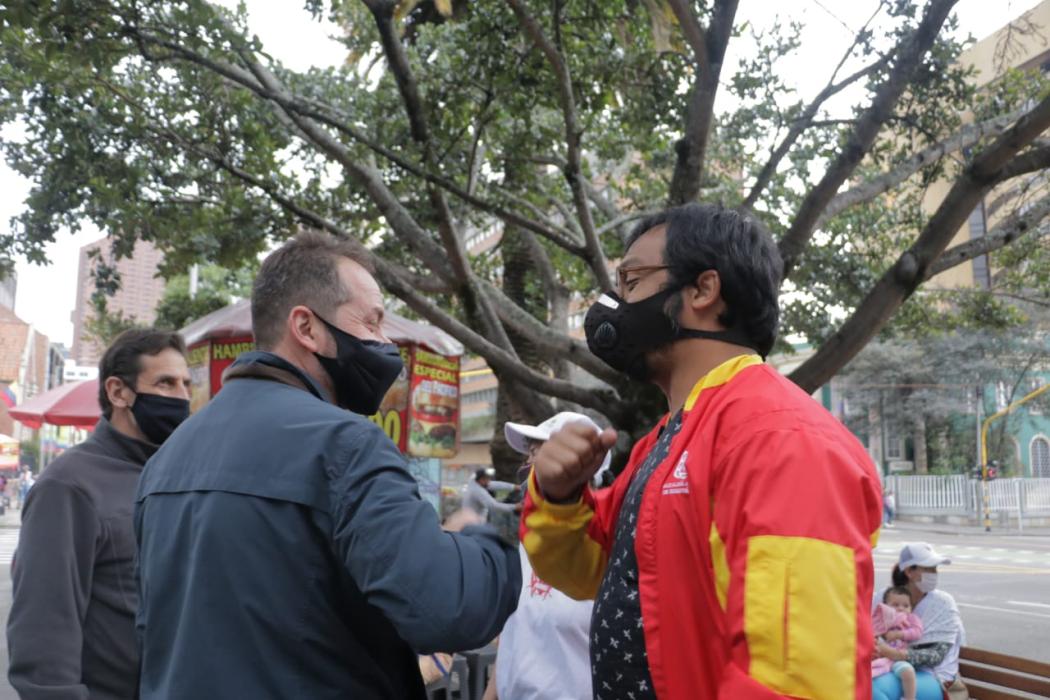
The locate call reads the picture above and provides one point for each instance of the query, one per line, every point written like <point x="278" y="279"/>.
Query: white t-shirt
<point x="544" y="648"/>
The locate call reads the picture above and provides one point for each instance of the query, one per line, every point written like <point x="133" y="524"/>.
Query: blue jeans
<point x="888" y="687"/>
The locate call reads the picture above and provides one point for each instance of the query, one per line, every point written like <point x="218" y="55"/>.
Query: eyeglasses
<point x="622" y="272"/>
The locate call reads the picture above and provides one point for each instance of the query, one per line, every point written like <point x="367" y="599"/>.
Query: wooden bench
<point x="993" y="676"/>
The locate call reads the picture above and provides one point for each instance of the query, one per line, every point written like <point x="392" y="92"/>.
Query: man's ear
<point x="705" y="293"/>
<point x="305" y="329"/>
<point x="118" y="393"/>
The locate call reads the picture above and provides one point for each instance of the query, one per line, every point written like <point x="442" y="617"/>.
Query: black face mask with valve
<point x="621" y="333"/>
<point x="362" y="371"/>
<point x="157" y="416"/>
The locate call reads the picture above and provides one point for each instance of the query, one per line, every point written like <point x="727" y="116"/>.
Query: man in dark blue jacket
<point x="284" y="551"/>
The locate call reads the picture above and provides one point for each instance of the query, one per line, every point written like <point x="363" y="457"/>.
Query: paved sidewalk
<point x="11" y="518"/>
<point x="969" y="530"/>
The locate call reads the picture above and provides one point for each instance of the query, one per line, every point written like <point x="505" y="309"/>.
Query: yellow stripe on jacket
<point x="559" y="546"/>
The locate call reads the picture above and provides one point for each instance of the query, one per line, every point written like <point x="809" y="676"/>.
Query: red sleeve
<point x="568" y="544"/>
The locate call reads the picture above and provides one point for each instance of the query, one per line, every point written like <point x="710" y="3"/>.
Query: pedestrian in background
<point x="889" y="506"/>
<point x="71" y="632"/>
<point x="935" y="655"/>
<point x="284" y="549"/>
<point x="543" y="649"/>
<point x="478" y="497"/>
<point x="25" y="483"/>
<point x="732" y="556"/>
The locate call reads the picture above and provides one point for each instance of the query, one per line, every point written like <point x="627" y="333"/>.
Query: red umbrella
<point x="74" y="404"/>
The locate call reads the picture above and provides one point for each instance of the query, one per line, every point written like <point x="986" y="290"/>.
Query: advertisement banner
<point x="392" y="416"/>
<point x="434" y="410"/>
<point x="199" y="360"/>
<point x="420" y="412"/>
<point x="223" y="353"/>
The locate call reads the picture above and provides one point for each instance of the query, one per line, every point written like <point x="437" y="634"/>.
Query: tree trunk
<point x="921" y="457"/>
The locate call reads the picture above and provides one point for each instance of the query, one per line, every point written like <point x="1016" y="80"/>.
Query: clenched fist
<point x="568" y="460"/>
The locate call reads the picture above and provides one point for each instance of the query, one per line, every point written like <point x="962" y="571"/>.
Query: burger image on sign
<point x="433" y="426"/>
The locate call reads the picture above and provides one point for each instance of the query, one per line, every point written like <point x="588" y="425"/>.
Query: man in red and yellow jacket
<point x="731" y="560"/>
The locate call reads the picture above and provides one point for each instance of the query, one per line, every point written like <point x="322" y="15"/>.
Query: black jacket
<point x="71" y="633"/>
<point x="285" y="553"/>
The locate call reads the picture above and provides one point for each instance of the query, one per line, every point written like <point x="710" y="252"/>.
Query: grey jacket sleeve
<point x="492" y="504"/>
<point x="442" y="591"/>
<point x="51" y="579"/>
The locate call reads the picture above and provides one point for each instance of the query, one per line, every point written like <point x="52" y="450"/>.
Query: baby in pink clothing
<point x="894" y="621"/>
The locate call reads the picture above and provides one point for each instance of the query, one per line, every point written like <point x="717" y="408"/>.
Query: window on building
<point x="981" y="274"/>
<point x="1002" y="395"/>
<point x="1040" y="455"/>
<point x="1034" y="406"/>
<point x="894" y="442"/>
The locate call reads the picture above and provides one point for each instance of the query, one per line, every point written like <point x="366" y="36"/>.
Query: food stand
<point x="420" y="412"/>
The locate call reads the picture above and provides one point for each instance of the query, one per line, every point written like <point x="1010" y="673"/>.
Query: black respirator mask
<point x="362" y="371"/>
<point x="621" y="333"/>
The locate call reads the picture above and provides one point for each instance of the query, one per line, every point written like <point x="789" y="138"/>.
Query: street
<point x="1000" y="581"/>
<point x="8" y="542"/>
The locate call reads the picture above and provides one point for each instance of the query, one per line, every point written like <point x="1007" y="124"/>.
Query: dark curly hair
<point x="712" y="237"/>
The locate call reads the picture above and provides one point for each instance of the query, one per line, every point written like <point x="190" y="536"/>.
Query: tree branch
<point x="369" y="179"/>
<point x="549" y="340"/>
<point x="603" y="400"/>
<point x="962" y="139"/>
<point x="383" y="13"/>
<point x="573" y="134"/>
<point x="799" y="125"/>
<point x="910" y="269"/>
<point x="709" y="48"/>
<point x="328" y="115"/>
<point x="908" y="55"/>
<point x="1030" y="161"/>
<point x="1002" y="235"/>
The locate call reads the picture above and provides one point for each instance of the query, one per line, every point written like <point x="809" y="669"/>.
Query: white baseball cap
<point x="920" y="554"/>
<point x="519" y="434"/>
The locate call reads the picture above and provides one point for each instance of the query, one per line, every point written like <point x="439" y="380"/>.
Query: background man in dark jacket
<point x="284" y="550"/>
<point x="71" y="633"/>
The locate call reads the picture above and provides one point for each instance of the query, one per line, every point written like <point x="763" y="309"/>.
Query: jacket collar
<point x="259" y="364"/>
<point x="720" y="375"/>
<point x="117" y="444"/>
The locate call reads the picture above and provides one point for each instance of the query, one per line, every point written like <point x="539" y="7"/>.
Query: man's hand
<point x="568" y="460"/>
<point x="461" y="518"/>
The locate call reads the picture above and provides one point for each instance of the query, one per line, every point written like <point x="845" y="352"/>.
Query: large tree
<point x="555" y="124"/>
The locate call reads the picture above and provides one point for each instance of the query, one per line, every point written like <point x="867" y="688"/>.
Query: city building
<point x="8" y="289"/>
<point x="24" y="368"/>
<point x="72" y="372"/>
<point x="1010" y="47"/>
<point x="1021" y="45"/>
<point x="140" y="291"/>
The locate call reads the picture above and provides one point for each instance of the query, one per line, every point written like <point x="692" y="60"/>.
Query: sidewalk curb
<point x="964" y="531"/>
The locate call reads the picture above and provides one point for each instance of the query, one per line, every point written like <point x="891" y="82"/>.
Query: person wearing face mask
<point x="543" y="649"/>
<point x="284" y="550"/>
<point x="732" y="556"/>
<point x="935" y="655"/>
<point x="71" y="631"/>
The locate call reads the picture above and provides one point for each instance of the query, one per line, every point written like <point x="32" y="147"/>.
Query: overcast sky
<point x="46" y="295"/>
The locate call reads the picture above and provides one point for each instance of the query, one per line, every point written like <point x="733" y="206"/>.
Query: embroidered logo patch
<point x="679" y="482"/>
<point x="680" y="471"/>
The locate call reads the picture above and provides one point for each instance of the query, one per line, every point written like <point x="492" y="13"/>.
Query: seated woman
<point x="935" y="655"/>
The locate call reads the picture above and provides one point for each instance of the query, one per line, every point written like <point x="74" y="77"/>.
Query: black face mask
<point x="362" y="371"/>
<point x="621" y="334"/>
<point x="158" y="416"/>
